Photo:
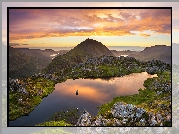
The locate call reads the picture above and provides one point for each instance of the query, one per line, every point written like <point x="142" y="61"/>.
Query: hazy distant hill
<point x="125" y="48"/>
<point x="158" y="52"/>
<point x="42" y="56"/>
<point x="42" y="53"/>
<point x="86" y="49"/>
<point x="20" y="64"/>
<point x="127" y="52"/>
<point x="37" y="52"/>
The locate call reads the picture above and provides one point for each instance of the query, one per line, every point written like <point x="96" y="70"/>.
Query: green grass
<point x="31" y="100"/>
<point x="142" y="99"/>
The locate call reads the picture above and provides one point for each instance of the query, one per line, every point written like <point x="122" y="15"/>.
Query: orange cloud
<point x="39" y="23"/>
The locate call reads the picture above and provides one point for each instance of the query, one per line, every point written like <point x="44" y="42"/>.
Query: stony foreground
<point x="124" y="115"/>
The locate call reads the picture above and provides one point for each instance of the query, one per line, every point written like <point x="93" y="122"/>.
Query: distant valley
<point x="39" y="71"/>
<point x="21" y="65"/>
<point x="50" y="61"/>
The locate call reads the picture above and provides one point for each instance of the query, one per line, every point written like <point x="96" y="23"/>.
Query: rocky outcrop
<point x="17" y="85"/>
<point x="125" y="115"/>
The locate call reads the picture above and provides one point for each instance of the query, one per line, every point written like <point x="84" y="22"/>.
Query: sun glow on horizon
<point x="69" y="27"/>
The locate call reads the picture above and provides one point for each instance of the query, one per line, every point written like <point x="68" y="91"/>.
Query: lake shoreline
<point x="104" y="110"/>
<point x="101" y="70"/>
<point x="107" y="79"/>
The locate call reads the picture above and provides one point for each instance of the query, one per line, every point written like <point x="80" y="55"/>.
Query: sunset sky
<point x="69" y="27"/>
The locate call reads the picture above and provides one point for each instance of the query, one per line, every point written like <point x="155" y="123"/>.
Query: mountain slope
<point x="42" y="56"/>
<point x="158" y="52"/>
<point x="91" y="48"/>
<point x="20" y="64"/>
<point x="79" y="54"/>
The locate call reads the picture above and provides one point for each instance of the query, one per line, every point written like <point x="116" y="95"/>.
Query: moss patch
<point x="32" y="99"/>
<point x="147" y="98"/>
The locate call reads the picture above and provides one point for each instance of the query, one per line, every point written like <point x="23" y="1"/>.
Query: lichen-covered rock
<point x="125" y="115"/>
<point x="17" y="85"/>
<point x="159" y="118"/>
<point x="85" y="119"/>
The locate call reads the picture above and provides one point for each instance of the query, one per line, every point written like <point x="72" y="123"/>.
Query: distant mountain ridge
<point x="125" y="48"/>
<point x="79" y="54"/>
<point x="157" y="52"/>
<point x="119" y="53"/>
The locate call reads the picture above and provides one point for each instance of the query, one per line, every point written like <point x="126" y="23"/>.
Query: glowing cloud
<point x="40" y="23"/>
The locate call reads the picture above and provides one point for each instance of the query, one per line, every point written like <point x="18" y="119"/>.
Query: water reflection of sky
<point x="91" y="93"/>
<point x="102" y="91"/>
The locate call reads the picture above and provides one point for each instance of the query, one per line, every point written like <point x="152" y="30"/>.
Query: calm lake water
<point x="91" y="93"/>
